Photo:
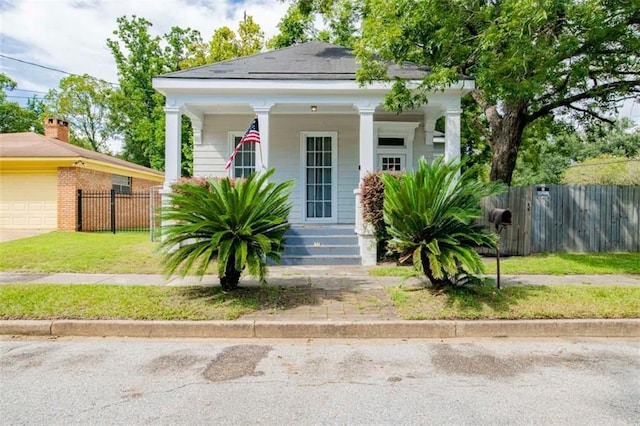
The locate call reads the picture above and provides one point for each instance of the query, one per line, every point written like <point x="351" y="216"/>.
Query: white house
<point x="318" y="126"/>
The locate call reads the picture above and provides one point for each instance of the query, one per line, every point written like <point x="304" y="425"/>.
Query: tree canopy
<point x="84" y="101"/>
<point x="13" y="117"/>
<point x="530" y="59"/>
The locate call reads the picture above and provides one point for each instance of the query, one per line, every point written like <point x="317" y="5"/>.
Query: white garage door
<point x="28" y="201"/>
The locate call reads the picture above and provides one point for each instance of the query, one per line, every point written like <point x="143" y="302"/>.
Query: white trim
<point x="334" y="176"/>
<point x="395" y="129"/>
<point x="166" y="85"/>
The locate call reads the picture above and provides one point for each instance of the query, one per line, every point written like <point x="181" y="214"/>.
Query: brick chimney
<point x="56" y="128"/>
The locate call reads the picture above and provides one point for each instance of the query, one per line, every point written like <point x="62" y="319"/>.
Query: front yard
<point x="135" y="253"/>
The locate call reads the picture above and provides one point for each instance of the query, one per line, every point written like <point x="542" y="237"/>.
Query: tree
<point x="236" y="224"/>
<point x="431" y="215"/>
<point x="13" y="117"/>
<point x="84" y="101"/>
<point x="549" y="153"/>
<point x="137" y="109"/>
<point x="604" y="169"/>
<point x="295" y="27"/>
<point x="225" y="44"/>
<point x="530" y="59"/>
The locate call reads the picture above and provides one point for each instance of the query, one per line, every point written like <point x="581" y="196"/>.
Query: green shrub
<point x="236" y="223"/>
<point x="372" y="199"/>
<point x="431" y="214"/>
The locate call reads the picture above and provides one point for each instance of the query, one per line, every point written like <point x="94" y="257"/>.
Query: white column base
<point x="368" y="249"/>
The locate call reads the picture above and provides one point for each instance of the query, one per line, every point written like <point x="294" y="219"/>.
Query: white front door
<point x="320" y="172"/>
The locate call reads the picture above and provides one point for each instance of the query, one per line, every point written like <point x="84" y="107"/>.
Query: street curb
<point x="625" y="328"/>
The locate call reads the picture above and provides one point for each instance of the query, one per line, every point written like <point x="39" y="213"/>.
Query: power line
<point x="27" y="90"/>
<point x="51" y="68"/>
<point x="36" y="65"/>
<point x="24" y="97"/>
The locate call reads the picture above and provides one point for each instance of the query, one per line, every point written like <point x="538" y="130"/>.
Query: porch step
<point x="321" y="245"/>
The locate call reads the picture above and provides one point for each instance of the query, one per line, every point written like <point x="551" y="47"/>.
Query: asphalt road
<point x="329" y="382"/>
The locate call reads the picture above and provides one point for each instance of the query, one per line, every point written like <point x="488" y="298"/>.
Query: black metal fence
<point x="109" y="211"/>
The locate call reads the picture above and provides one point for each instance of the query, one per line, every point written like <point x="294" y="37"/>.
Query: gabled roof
<point x="314" y="60"/>
<point x="33" y="145"/>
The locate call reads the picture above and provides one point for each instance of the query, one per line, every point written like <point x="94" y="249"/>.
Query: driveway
<point x="16" y="234"/>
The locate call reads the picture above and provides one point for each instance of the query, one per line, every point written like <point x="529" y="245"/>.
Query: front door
<point x="319" y="164"/>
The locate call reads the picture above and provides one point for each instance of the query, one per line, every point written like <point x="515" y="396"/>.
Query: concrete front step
<point x="321" y="245"/>
<point x="321" y="250"/>
<point x="320" y="260"/>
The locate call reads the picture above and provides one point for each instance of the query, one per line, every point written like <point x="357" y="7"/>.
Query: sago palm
<point x="236" y="224"/>
<point x="431" y="216"/>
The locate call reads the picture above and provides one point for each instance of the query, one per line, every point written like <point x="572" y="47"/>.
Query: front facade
<point x="318" y="126"/>
<point x="40" y="177"/>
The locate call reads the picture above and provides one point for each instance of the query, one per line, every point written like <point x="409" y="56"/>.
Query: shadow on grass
<point x="255" y="298"/>
<point x="473" y="298"/>
<point x="464" y="302"/>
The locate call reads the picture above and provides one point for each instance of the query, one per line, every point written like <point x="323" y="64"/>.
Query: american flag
<point x="251" y="135"/>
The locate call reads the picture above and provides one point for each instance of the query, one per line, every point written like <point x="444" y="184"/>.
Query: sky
<point x="70" y="35"/>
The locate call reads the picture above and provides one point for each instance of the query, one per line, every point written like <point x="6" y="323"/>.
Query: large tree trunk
<point x="506" y="136"/>
<point x="507" y="124"/>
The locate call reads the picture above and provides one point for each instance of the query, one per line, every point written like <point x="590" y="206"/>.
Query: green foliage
<point x="604" y="170"/>
<point x="237" y="224"/>
<point x="137" y="109"/>
<point x="529" y="58"/>
<point x="225" y="44"/>
<point x="431" y="216"/>
<point x="295" y="27"/>
<point x="548" y="153"/>
<point x="372" y="199"/>
<point x="15" y="118"/>
<point x="84" y="101"/>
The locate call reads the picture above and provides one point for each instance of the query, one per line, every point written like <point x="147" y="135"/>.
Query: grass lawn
<point x="89" y="252"/>
<point x="46" y="301"/>
<point x="547" y="264"/>
<point x="518" y="302"/>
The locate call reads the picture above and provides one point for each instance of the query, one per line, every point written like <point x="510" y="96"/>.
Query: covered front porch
<point x="323" y="130"/>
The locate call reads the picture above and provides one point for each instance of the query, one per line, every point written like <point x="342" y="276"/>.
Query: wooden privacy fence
<point x="569" y="218"/>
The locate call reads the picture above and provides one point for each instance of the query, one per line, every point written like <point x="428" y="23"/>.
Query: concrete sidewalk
<point x="344" y="302"/>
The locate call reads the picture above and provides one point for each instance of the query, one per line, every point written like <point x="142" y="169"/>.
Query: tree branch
<point x="591" y="93"/>
<point x="591" y="113"/>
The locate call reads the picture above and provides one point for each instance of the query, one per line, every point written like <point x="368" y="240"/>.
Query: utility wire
<point x="64" y="72"/>
<point x="50" y="68"/>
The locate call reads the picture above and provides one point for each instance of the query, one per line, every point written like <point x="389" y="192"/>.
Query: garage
<point x="28" y="200"/>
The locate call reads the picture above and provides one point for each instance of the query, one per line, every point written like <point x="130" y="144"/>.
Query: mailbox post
<point x="500" y="219"/>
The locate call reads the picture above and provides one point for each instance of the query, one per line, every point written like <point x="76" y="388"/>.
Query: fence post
<point x="113" y="211"/>
<point x="79" y="211"/>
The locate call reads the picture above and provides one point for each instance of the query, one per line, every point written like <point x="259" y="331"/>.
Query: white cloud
<point x="71" y="35"/>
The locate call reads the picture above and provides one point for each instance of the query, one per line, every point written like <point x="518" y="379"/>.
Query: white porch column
<point x="263" y="124"/>
<point x="367" y="146"/>
<point x="172" y="148"/>
<point x="452" y="135"/>
<point x="368" y="163"/>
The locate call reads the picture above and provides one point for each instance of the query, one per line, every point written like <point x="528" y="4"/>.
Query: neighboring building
<point x="40" y="177"/>
<point x="318" y="126"/>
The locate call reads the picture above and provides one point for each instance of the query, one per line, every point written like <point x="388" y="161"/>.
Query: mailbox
<point x="500" y="217"/>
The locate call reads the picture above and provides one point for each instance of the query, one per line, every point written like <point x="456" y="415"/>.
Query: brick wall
<point x="130" y="213"/>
